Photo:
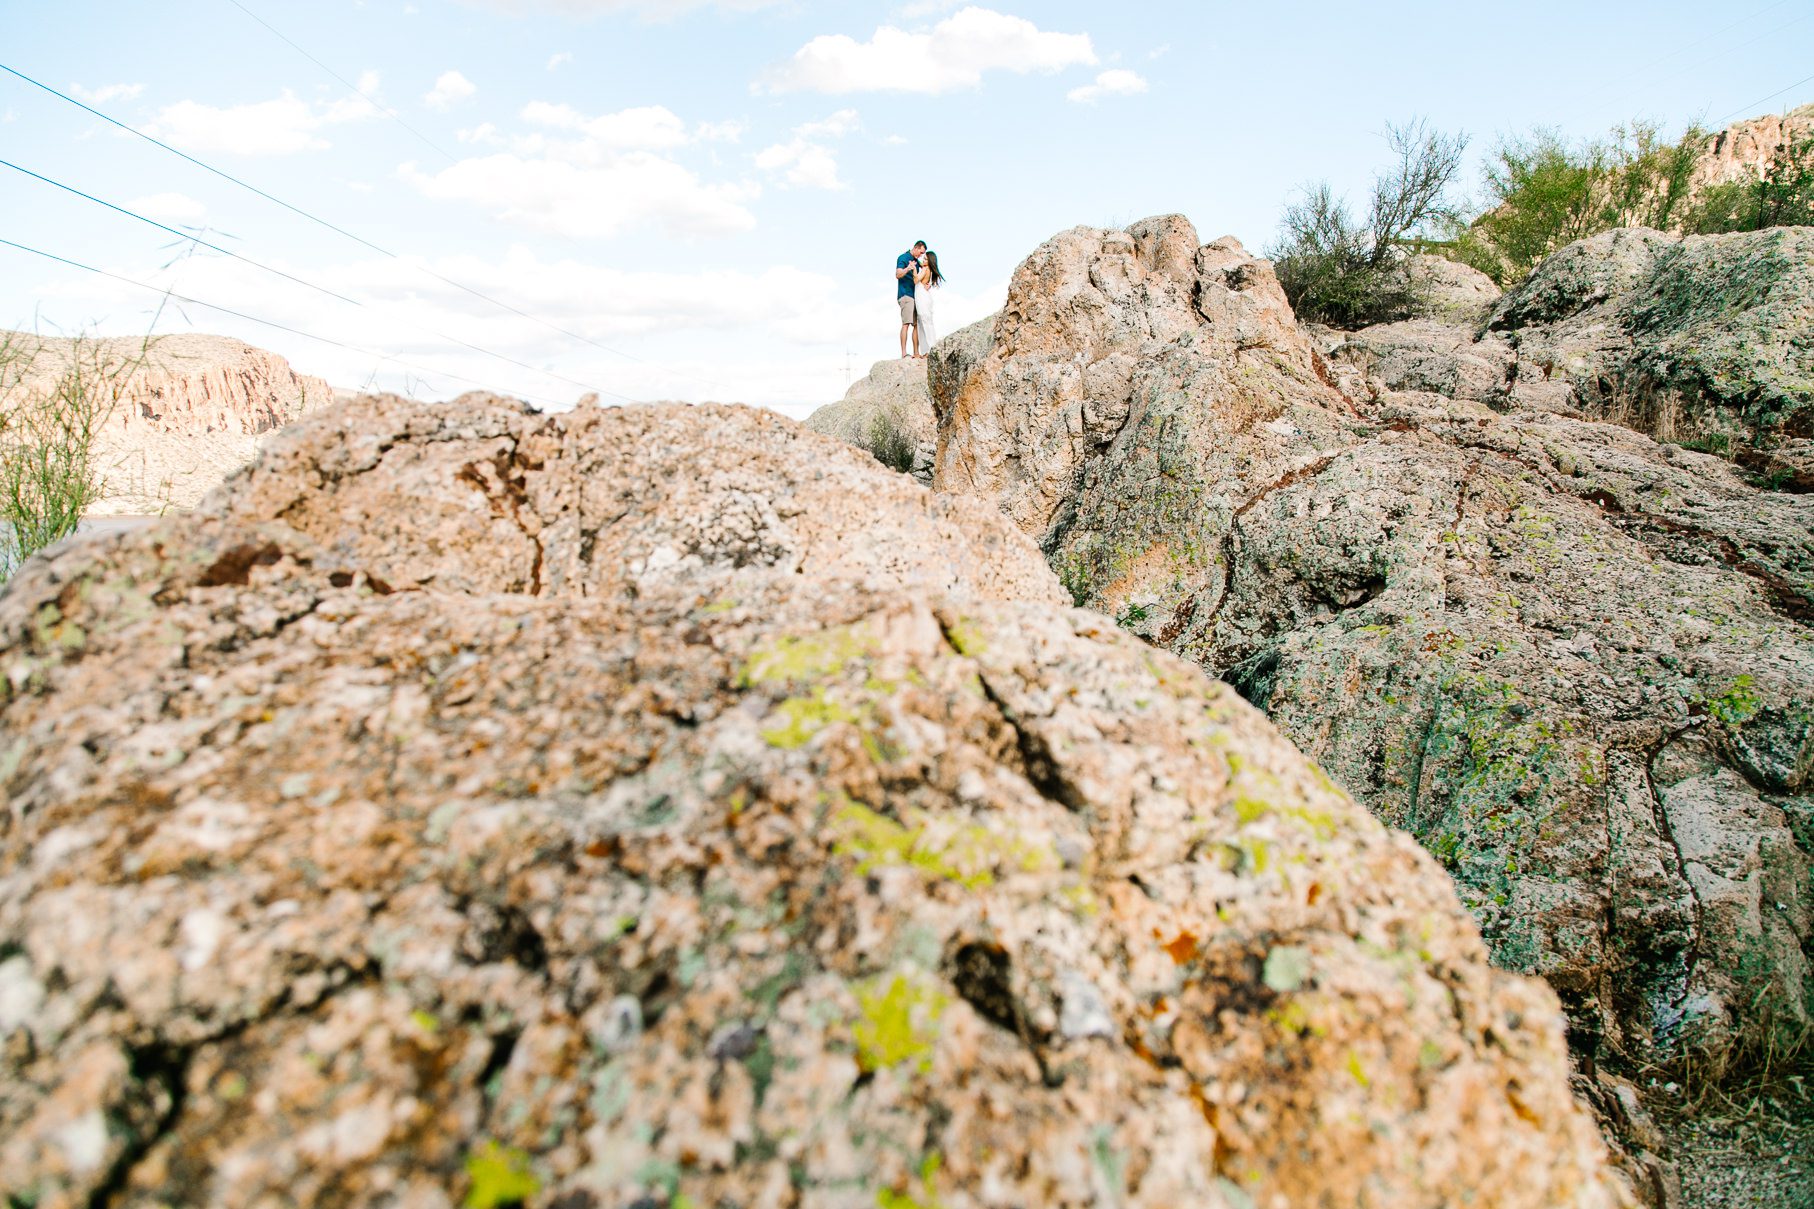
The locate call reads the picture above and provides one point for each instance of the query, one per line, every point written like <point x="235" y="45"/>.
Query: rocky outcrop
<point x="1575" y="663"/>
<point x="181" y="412"/>
<point x="1745" y="150"/>
<point x="1451" y="292"/>
<point x="1703" y="338"/>
<point x="675" y="807"/>
<point x="889" y="413"/>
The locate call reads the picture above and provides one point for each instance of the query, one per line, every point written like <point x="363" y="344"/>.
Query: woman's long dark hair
<point x="932" y="264"/>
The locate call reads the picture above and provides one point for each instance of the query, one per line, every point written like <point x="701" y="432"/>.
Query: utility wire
<point x="351" y="348"/>
<point x="195" y="239"/>
<point x="351" y="87"/>
<point x="342" y="231"/>
<point x="1650" y="67"/>
<point x="320" y="289"/>
<point x="1771" y="97"/>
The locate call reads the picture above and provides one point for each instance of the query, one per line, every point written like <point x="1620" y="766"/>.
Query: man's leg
<point x="904" y="328"/>
<point x="916" y="337"/>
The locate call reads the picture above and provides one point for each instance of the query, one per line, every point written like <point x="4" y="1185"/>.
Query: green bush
<point x="50" y="421"/>
<point x="1543" y="192"/>
<point x="891" y="444"/>
<point x="1783" y="197"/>
<point x="1349" y="273"/>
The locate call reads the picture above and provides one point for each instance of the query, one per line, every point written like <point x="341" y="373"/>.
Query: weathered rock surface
<point x="615" y="827"/>
<point x="186" y="411"/>
<point x="889" y="412"/>
<point x="1711" y="336"/>
<point x="1575" y="663"/>
<point x="1745" y="150"/>
<point x="1453" y="293"/>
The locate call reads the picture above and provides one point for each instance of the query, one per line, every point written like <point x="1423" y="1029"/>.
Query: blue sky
<point x="715" y="190"/>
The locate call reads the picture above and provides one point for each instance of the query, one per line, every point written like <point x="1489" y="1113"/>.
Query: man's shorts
<point x="906" y="301"/>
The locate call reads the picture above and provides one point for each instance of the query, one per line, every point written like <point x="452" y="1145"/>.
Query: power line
<point x="321" y="289"/>
<point x="1699" y="42"/>
<point x="341" y="231"/>
<point x="353" y="88"/>
<point x="1762" y="100"/>
<point x="195" y="239"/>
<point x="271" y="323"/>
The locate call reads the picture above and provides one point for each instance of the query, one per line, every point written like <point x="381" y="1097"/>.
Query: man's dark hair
<point x="919" y="243"/>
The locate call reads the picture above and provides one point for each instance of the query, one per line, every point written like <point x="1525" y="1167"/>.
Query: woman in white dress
<point x="926" y="278"/>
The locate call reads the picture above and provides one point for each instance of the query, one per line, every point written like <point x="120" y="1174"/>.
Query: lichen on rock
<point x="407" y="829"/>
<point x="1511" y="631"/>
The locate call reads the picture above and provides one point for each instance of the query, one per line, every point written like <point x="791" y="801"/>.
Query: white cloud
<point x="648" y="127"/>
<point x="106" y="93"/>
<point x="895" y="140"/>
<point x="169" y="208"/>
<point x="559" y="57"/>
<point x="587" y="176"/>
<point x="450" y="88"/>
<point x="802" y="164"/>
<point x="1159" y="52"/>
<point x="805" y="162"/>
<point x="1117" y="83"/>
<point x="277" y="127"/>
<point x="9" y="116"/>
<point x="953" y="54"/>
<point x="839" y="124"/>
<point x="720" y="132"/>
<point x="591" y="201"/>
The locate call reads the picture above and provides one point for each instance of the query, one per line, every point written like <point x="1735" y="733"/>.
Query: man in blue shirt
<point x="904" y="267"/>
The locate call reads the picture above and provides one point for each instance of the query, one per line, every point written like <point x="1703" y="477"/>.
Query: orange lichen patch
<point x="1182" y="947"/>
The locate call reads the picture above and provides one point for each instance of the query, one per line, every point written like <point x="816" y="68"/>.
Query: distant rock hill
<point x="889" y="413"/>
<point x="193" y="412"/>
<point x="1744" y="150"/>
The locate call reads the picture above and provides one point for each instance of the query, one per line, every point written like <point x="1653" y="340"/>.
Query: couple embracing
<point x="916" y="275"/>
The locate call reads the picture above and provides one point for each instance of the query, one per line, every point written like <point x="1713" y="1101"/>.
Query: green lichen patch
<point x="797" y="658"/>
<point x="966" y="853"/>
<point x="1738" y="704"/>
<point x="805" y="717"/>
<point x="897" y="1022"/>
<point x="500" y="1177"/>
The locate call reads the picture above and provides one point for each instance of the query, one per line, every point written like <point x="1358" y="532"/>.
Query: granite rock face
<point x="185" y="412"/>
<point x="613" y="828"/>
<point x="1575" y="663"/>
<point x="1708" y="338"/>
<point x="889" y="413"/>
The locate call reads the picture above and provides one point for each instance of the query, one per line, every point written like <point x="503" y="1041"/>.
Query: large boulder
<point x="888" y="413"/>
<point x="478" y="806"/>
<point x="1708" y="338"/>
<point x="1450" y="291"/>
<point x="1575" y="663"/>
<point x="1098" y="325"/>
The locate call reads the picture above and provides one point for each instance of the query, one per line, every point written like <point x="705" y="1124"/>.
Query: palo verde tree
<point x="1349" y="272"/>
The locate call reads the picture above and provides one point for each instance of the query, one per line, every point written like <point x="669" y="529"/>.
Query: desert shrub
<point x="1348" y="272"/>
<point x="1542" y="192"/>
<point x="892" y="445"/>
<point x="50" y="420"/>
<point x="1782" y="197"/>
